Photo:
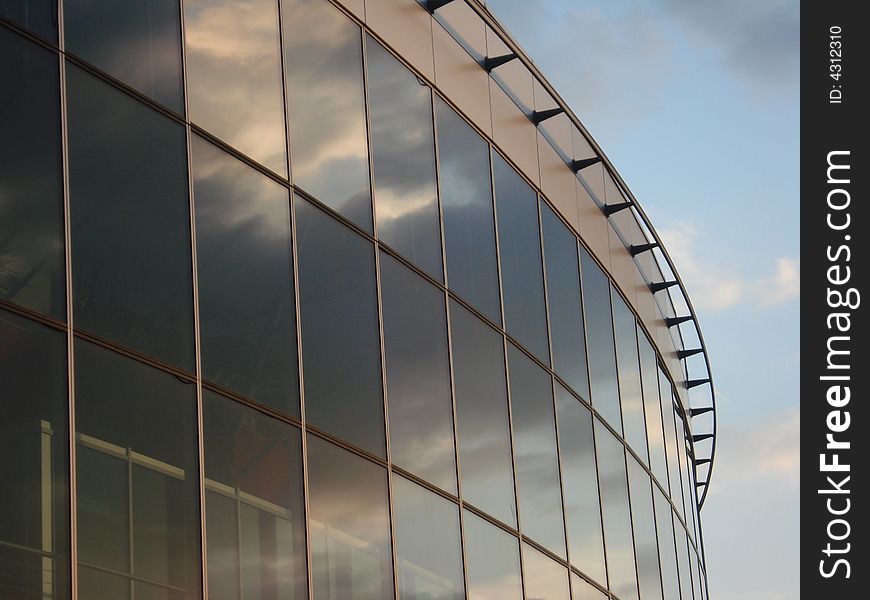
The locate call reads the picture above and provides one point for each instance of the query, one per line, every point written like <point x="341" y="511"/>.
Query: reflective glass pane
<point x="566" y="308"/>
<point x="326" y="107"/>
<point x="645" y="544"/>
<point x="418" y="375"/>
<point x="693" y="567"/>
<point x="652" y="408"/>
<point x="683" y="561"/>
<point x="537" y="461"/>
<point x="234" y="75"/>
<point x="583" y="590"/>
<point x="340" y="339"/>
<point x="130" y="222"/>
<point x="247" y="309"/>
<point x="255" y="520"/>
<point x="667" y="550"/>
<point x="138" y="43"/>
<point x="34" y="504"/>
<point x="582" y="510"/>
<point x="466" y="201"/>
<point x="428" y="550"/>
<point x="599" y="332"/>
<point x="350" y="525"/>
<point x="625" y="332"/>
<point x="671" y="447"/>
<point x="403" y="159"/>
<point x="492" y="558"/>
<point x="684" y="471"/>
<point x="615" y="510"/>
<point x="522" y="277"/>
<point x="136" y="468"/>
<point x="482" y="415"/>
<point x="545" y="579"/>
<point x="39" y="16"/>
<point x="31" y="196"/>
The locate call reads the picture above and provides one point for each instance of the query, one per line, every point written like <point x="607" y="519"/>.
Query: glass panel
<point x="693" y="566"/>
<point x="599" y="331"/>
<point x="138" y="43"/>
<point x="683" y="558"/>
<point x="522" y="276"/>
<point x="418" y="375"/>
<point x="482" y="415"/>
<point x="625" y="332"/>
<point x="492" y="561"/>
<point x="684" y="470"/>
<point x="466" y="200"/>
<point x="563" y="295"/>
<point x="652" y="408"/>
<point x="582" y="509"/>
<point x="537" y="461"/>
<point x="39" y="16"/>
<point x="545" y="579"/>
<point x="254" y="506"/>
<point x="130" y="221"/>
<point x="428" y="549"/>
<point x="645" y="544"/>
<point x="34" y="504"/>
<point x="350" y="525"/>
<point x="31" y="196"/>
<point x="667" y="551"/>
<point x="583" y="590"/>
<point x="671" y="440"/>
<point x="617" y="518"/>
<point x="403" y="159"/>
<point x="234" y="75"/>
<point x="326" y="107"/>
<point x="244" y="263"/>
<point x="138" y="500"/>
<point x="340" y="339"/>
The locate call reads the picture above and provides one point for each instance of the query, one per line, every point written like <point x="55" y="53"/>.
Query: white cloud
<point x="784" y="285"/>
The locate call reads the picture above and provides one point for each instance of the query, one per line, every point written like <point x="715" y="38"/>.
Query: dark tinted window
<point x="466" y="200"/>
<point x="563" y="296"/>
<point x="34" y="436"/>
<point x="39" y="16"/>
<point x="537" y="461"/>
<point x="482" y="415"/>
<point x="255" y="522"/>
<point x="652" y="408"/>
<point x="599" y="331"/>
<point x="244" y="263"/>
<point x="136" y="474"/>
<point x="645" y="544"/>
<point x="350" y="525"/>
<point x="492" y="561"/>
<point x="340" y="340"/>
<point x="545" y="579"/>
<point x="31" y="209"/>
<point x="234" y="81"/>
<point x="403" y="158"/>
<point x="418" y="375"/>
<point x="138" y="43"/>
<point x="631" y="399"/>
<point x="326" y="107"/>
<point x="130" y="221"/>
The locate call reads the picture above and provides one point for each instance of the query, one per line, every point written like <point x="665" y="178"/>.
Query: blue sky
<point x="696" y="103"/>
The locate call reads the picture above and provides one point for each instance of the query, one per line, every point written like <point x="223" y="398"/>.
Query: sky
<point x="696" y="104"/>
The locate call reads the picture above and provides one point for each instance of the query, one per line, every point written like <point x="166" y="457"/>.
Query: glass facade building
<point x="329" y="299"/>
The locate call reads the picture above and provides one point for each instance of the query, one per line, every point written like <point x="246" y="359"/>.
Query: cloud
<point x="784" y="285"/>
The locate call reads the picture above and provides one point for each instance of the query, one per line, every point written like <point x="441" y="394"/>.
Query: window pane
<point x="582" y="509"/>
<point x="39" y="16"/>
<point x="466" y="200"/>
<point x="671" y="447"/>
<point x="652" y="408"/>
<point x="254" y="505"/>
<point x="138" y="43"/>
<point x="403" y="157"/>
<point x="599" y="332"/>
<point x="583" y="590"/>
<point x="350" y="525"/>
<point x="130" y="221"/>
<point x="625" y="331"/>
<point x="340" y="339"/>
<point x="234" y="75"/>
<point x="428" y="549"/>
<point x="326" y="107"/>
<point x="33" y="442"/>
<point x="645" y="544"/>
<point x="418" y="375"/>
<point x="244" y="263"/>
<point x="538" y="486"/>
<point x="31" y="198"/>
<point x="482" y="415"/>
<point x="138" y="500"/>
<point x="545" y="579"/>
<point x="522" y="276"/>
<point x="667" y="551"/>
<point x="617" y="518"/>
<point x="492" y="561"/>
<point x="566" y="309"/>
<point x="683" y="560"/>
